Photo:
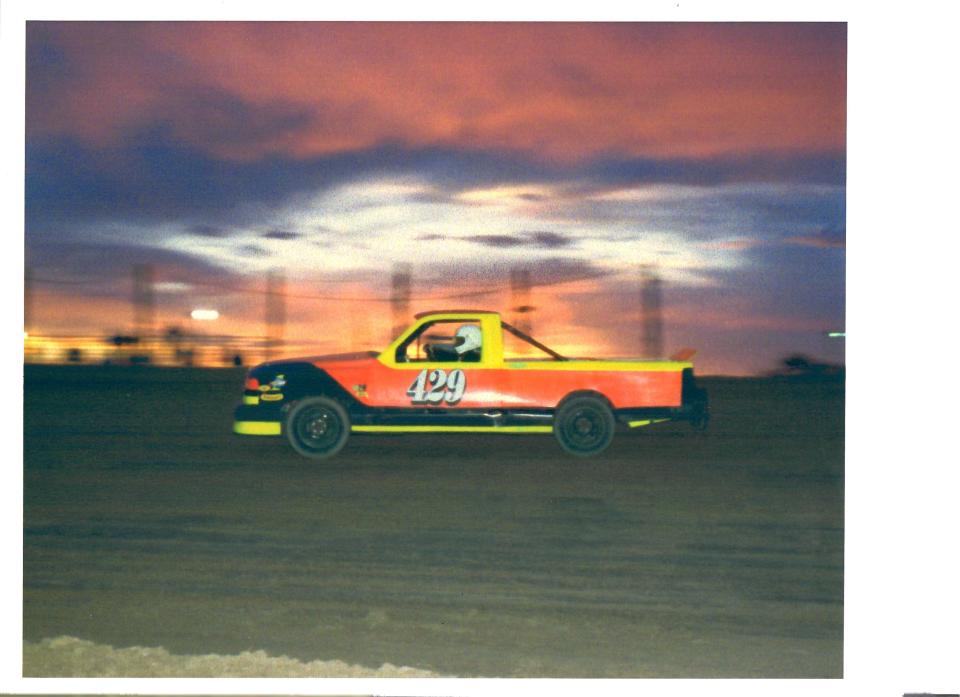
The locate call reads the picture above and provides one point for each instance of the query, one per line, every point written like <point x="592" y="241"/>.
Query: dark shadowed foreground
<point x="158" y="543"/>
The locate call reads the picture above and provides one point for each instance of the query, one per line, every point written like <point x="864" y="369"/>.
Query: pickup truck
<point x="464" y="371"/>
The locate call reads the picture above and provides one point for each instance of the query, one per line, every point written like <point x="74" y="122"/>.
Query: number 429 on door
<point x="437" y="385"/>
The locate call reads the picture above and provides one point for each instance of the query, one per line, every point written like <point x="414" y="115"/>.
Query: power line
<point x="344" y="298"/>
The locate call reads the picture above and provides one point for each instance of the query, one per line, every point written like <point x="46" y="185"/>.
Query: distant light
<point x="205" y="314"/>
<point x="836" y="335"/>
<point x="26" y="335"/>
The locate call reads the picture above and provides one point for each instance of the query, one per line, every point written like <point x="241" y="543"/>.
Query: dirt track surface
<point x="148" y="524"/>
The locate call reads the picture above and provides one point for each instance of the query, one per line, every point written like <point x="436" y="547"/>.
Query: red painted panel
<point x="387" y="387"/>
<point x="505" y="387"/>
<point x="528" y="388"/>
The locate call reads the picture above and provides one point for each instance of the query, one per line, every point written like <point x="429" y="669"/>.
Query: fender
<point x="303" y="379"/>
<point x="585" y="393"/>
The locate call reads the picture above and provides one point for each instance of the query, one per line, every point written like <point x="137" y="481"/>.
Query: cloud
<point x="757" y="211"/>
<point x="827" y="238"/>
<point x="739" y="243"/>
<point x="542" y="239"/>
<point x="203" y="230"/>
<point x="252" y="250"/>
<point x="497" y="240"/>
<point x="799" y="284"/>
<point x="467" y="274"/>
<point x="214" y="119"/>
<point x="824" y="167"/>
<point x="567" y="90"/>
<point x="98" y="269"/>
<point x="153" y="176"/>
<point x="550" y="240"/>
<point x="281" y="235"/>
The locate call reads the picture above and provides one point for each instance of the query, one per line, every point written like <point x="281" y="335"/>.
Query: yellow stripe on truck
<point x="452" y="429"/>
<point x="586" y="366"/>
<point x="273" y="428"/>
<point x="645" y="422"/>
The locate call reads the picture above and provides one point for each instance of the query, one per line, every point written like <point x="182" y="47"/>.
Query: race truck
<point x="465" y="371"/>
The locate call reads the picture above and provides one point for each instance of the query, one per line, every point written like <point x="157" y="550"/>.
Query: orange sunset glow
<point x="329" y="155"/>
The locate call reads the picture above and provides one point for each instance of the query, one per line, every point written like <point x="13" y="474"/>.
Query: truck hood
<point x="327" y="358"/>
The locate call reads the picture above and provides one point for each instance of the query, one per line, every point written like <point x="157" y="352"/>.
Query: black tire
<point x="317" y="427"/>
<point x="584" y="425"/>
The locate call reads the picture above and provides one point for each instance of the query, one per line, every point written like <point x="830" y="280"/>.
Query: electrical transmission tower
<point x="275" y="313"/>
<point x="144" y="306"/>
<point x="400" y="284"/>
<point x="27" y="299"/>
<point x="520" y="307"/>
<point x="651" y="312"/>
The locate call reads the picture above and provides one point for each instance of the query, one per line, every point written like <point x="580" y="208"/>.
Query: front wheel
<point x="584" y="425"/>
<point x="317" y="427"/>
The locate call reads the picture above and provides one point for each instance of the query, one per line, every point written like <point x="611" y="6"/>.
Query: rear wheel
<point x="317" y="427"/>
<point x="584" y="425"/>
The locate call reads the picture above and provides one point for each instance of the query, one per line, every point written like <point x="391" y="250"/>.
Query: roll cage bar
<point x="530" y="340"/>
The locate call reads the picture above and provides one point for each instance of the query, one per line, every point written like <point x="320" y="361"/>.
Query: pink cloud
<point x="560" y="90"/>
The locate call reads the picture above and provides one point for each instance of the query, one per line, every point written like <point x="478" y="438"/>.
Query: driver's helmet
<point x="467" y="338"/>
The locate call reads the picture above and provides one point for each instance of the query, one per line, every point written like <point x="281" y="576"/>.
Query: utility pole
<point x="651" y="312"/>
<point x="27" y="312"/>
<point x="275" y="313"/>
<point x="144" y="305"/>
<point x="400" y="283"/>
<point x="27" y="299"/>
<point x="520" y="307"/>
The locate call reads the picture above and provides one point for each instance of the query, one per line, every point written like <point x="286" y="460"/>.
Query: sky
<point x="336" y="152"/>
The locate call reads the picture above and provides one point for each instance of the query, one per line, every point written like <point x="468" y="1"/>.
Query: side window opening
<point x="443" y="341"/>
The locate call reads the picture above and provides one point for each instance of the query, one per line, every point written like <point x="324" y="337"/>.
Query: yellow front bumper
<point x="257" y="428"/>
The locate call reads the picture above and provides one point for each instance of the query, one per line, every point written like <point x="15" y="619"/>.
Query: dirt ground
<point x="148" y="524"/>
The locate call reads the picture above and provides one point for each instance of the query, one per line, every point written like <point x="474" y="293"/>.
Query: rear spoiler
<point x="684" y="354"/>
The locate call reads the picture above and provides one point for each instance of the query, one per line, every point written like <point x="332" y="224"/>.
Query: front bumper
<point x="258" y="420"/>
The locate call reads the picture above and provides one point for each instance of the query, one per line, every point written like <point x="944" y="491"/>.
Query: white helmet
<point x="467" y="338"/>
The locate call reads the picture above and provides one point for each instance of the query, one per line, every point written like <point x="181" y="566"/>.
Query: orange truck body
<point x="416" y="385"/>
